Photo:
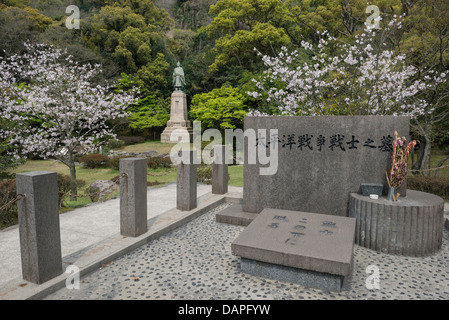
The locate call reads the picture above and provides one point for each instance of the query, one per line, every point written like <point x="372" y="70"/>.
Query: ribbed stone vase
<point x="412" y="226"/>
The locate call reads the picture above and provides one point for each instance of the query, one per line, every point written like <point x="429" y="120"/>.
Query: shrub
<point x="159" y="162"/>
<point x="94" y="160"/>
<point x="204" y="174"/>
<point x="115" y="144"/>
<point x="131" y="140"/>
<point x="114" y="163"/>
<point x="8" y="216"/>
<point x="435" y="185"/>
<point x="64" y="186"/>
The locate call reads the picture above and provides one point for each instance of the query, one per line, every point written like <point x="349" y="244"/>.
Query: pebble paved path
<point x="195" y="262"/>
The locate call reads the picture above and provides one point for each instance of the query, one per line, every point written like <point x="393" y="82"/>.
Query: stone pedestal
<point x="178" y="127"/>
<point x="219" y="171"/>
<point x="412" y="226"/>
<point x="39" y="231"/>
<point x="133" y="197"/>
<point x="186" y="189"/>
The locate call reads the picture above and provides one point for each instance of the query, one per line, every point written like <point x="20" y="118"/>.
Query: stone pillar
<point x="186" y="193"/>
<point x="39" y="231"/>
<point x="219" y="171"/>
<point x="133" y="196"/>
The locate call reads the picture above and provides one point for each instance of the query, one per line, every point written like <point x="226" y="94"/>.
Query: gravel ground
<point x="195" y="262"/>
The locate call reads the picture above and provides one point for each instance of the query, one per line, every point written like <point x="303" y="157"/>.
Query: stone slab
<point x="372" y="188"/>
<point x="320" y="160"/>
<point x="311" y="279"/>
<point x="303" y="240"/>
<point x="235" y="215"/>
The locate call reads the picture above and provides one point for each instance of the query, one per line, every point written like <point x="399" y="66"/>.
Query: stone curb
<point x="93" y="257"/>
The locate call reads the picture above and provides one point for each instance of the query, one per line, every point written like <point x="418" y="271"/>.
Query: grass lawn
<point x="91" y="175"/>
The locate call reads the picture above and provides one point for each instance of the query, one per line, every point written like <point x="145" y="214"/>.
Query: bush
<point x="204" y="174"/>
<point x="8" y="216"/>
<point x="435" y="185"/>
<point x="114" y="163"/>
<point x="131" y="140"/>
<point x="95" y="160"/>
<point x="64" y="186"/>
<point x="115" y="144"/>
<point x="159" y="162"/>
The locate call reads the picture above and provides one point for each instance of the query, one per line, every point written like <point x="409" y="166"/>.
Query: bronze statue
<point x="178" y="78"/>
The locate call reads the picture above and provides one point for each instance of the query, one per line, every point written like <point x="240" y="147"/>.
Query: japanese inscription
<point x="335" y="142"/>
<point x="298" y="228"/>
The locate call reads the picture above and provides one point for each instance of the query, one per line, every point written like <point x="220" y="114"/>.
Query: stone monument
<point x="178" y="127"/>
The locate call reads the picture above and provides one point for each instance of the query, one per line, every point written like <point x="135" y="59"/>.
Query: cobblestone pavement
<point x="195" y="262"/>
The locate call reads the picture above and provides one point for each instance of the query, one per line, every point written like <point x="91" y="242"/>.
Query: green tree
<point x="222" y="108"/>
<point x="239" y="26"/>
<point x="150" y="113"/>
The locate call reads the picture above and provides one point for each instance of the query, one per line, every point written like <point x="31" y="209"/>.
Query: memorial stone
<point x="282" y="243"/>
<point x="321" y="160"/>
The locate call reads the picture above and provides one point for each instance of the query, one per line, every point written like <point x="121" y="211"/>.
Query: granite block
<point x="320" y="160"/>
<point x="371" y="188"/>
<point x="133" y="196"/>
<point x="303" y="240"/>
<point x="186" y="189"/>
<point x="306" y="278"/>
<point x="39" y="230"/>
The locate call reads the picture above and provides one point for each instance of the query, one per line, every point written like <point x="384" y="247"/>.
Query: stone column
<point x="133" y="196"/>
<point x="186" y="193"/>
<point x="219" y="171"/>
<point x="39" y="231"/>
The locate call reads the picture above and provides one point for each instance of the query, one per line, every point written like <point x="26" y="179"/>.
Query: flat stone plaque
<point x="309" y="241"/>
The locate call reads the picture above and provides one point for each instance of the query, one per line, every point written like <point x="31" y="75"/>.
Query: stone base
<point x="306" y="278"/>
<point x="412" y="226"/>
<point x="177" y="134"/>
<point x="235" y="215"/>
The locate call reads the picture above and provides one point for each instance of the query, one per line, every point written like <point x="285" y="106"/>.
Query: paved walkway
<point x="86" y="226"/>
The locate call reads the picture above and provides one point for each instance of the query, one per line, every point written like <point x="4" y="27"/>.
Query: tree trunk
<point x="426" y="157"/>
<point x="440" y="164"/>
<point x="423" y="161"/>
<point x="73" y="189"/>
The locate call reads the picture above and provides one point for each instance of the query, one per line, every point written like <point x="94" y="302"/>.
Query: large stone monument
<point x="178" y="127"/>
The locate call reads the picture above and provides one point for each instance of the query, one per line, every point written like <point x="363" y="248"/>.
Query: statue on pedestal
<point x="178" y="127"/>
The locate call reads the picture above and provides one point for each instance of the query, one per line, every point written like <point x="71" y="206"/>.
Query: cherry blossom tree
<point x="365" y="77"/>
<point x="53" y="105"/>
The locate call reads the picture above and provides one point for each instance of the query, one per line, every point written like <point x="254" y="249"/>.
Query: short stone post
<point x="39" y="231"/>
<point x="133" y="196"/>
<point x="186" y="192"/>
<point x="219" y="171"/>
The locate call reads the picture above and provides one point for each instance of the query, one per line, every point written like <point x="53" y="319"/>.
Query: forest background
<point x="138" y="44"/>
